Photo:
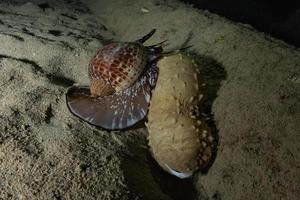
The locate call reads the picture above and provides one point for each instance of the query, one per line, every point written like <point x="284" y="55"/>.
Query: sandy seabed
<point x="253" y="94"/>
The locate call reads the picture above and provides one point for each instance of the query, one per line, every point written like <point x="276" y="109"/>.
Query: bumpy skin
<point x="118" y="65"/>
<point x="179" y="139"/>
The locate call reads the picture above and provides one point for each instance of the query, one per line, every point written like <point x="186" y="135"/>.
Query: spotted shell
<point x="179" y="139"/>
<point x="118" y="65"/>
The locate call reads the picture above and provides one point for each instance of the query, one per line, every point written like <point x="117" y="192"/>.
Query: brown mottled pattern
<point x="119" y="64"/>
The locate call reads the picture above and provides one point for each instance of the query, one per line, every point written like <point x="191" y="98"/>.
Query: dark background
<point x="281" y="19"/>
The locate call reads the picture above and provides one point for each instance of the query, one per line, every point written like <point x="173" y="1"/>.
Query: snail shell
<point x="122" y="78"/>
<point x="179" y="139"/>
<point x="116" y="66"/>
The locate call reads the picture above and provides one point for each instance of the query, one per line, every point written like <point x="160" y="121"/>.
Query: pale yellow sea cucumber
<point x="180" y="141"/>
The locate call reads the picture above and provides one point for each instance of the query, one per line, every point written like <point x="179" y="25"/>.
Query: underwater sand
<point x="253" y="92"/>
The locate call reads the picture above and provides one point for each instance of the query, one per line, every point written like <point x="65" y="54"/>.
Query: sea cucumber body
<point x="179" y="139"/>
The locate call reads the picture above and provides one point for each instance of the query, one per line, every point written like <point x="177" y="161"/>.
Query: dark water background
<point x="281" y="19"/>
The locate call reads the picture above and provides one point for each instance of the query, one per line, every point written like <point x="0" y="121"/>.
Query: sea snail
<point x="179" y="139"/>
<point x="122" y="77"/>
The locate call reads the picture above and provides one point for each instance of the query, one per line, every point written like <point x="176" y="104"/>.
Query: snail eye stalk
<point x="146" y="37"/>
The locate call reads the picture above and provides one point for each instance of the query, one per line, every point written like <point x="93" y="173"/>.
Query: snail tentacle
<point x="146" y="37"/>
